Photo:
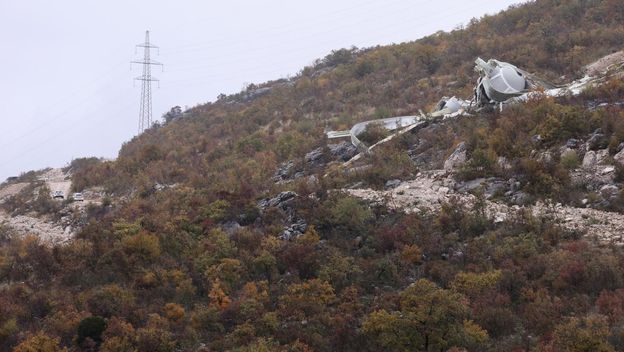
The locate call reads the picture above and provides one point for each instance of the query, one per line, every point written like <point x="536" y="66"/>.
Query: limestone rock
<point x="342" y="151"/>
<point x="315" y="157"/>
<point x="393" y="183"/>
<point x="295" y="230"/>
<point x="457" y="158"/>
<point x="597" y="140"/>
<point x="283" y="200"/>
<point x="609" y="191"/>
<point x="469" y="186"/>
<point x="284" y="171"/>
<point x="593" y="158"/>
<point x="545" y="157"/>
<point x="573" y="143"/>
<point x="503" y="163"/>
<point x="619" y="157"/>
<point x="521" y="198"/>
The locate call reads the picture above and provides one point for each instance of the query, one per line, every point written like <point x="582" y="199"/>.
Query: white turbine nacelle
<point x="499" y="81"/>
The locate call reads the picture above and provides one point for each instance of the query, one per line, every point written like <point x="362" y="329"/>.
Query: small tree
<point x="174" y="113"/>
<point x="430" y="318"/>
<point x="40" y="342"/>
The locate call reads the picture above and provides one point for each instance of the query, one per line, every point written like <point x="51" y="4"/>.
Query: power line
<point x="145" y="110"/>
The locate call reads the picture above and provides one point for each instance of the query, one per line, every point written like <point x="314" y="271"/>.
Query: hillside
<point x="236" y="225"/>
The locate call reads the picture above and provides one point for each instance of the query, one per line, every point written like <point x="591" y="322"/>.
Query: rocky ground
<point x="45" y="228"/>
<point x="595" y="173"/>
<point x="600" y="66"/>
<point x="429" y="190"/>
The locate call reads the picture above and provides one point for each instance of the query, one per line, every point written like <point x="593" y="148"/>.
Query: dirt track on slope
<point x="56" y="180"/>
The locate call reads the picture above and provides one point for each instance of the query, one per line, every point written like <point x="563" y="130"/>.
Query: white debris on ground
<point x="429" y="190"/>
<point x="574" y="88"/>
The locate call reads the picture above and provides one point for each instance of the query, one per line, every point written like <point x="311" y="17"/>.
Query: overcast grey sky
<point x="66" y="85"/>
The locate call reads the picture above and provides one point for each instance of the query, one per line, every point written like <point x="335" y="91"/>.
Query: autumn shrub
<point x="611" y="91"/>
<point x="174" y="312"/>
<point x="482" y="163"/>
<point x="373" y="134"/>
<point x="582" y="334"/>
<point x="340" y="271"/>
<point x="142" y="247"/>
<point x="80" y="164"/>
<point x="350" y="215"/>
<point x="388" y="163"/>
<point x="450" y="216"/>
<point x="363" y="68"/>
<point x="428" y="318"/>
<point x="207" y="319"/>
<point x="542" y="179"/>
<point x="40" y="342"/>
<point x="475" y="285"/>
<point x="497" y="321"/>
<point x="154" y="340"/>
<point x="297" y="300"/>
<point x="619" y="173"/>
<point x="558" y="122"/>
<point x="110" y="300"/>
<point x="8" y="332"/>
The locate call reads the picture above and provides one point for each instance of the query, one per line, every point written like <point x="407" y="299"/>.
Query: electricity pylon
<point x="145" y="111"/>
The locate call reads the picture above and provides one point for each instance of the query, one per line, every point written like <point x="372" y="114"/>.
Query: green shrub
<point x="482" y="163"/>
<point x="570" y="160"/>
<point x="349" y="213"/>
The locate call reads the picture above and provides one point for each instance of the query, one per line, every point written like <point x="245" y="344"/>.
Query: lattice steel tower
<point x="145" y="111"/>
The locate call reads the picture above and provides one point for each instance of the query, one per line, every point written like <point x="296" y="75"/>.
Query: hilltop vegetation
<point x="190" y="257"/>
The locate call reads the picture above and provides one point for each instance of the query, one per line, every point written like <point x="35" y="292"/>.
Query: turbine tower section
<point x="145" y="108"/>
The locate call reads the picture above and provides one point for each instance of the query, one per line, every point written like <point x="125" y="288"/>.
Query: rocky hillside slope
<point x="237" y="226"/>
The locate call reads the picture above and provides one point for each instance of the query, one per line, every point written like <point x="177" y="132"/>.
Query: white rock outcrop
<point x="593" y="158"/>
<point x="457" y="158"/>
